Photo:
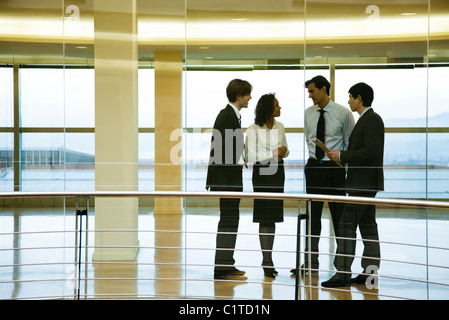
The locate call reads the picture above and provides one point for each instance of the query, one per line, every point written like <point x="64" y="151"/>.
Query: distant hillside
<point x="418" y="148"/>
<point x="440" y="120"/>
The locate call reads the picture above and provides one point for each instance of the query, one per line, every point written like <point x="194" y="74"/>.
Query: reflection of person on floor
<point x="266" y="147"/>
<point x="332" y="124"/>
<point x="364" y="178"/>
<point x="224" y="173"/>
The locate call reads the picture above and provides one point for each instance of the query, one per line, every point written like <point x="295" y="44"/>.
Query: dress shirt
<point x="364" y="111"/>
<point x="237" y="111"/>
<point x="261" y="141"/>
<point x="339" y="124"/>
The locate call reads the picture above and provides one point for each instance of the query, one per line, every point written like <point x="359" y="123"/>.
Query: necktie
<point x="319" y="153"/>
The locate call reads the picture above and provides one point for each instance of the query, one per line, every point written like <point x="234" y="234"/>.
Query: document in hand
<point x="325" y="149"/>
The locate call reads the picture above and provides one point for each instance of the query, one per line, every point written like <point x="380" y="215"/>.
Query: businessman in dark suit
<point x="364" y="179"/>
<point x="224" y="173"/>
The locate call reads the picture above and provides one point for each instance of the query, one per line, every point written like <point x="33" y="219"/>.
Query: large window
<point x="58" y="119"/>
<point x="57" y="97"/>
<point x="6" y="128"/>
<point x="416" y="164"/>
<point x="204" y="100"/>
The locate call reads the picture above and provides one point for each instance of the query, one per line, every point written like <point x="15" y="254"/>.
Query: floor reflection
<point x="115" y="280"/>
<point x="173" y="264"/>
<point x="167" y="255"/>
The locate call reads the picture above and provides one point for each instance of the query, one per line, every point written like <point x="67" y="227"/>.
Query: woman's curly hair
<point x="264" y="109"/>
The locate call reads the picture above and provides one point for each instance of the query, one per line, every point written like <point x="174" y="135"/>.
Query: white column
<point x="116" y="127"/>
<point x="167" y="130"/>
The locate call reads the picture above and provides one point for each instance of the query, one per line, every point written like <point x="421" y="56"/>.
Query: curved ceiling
<point x="407" y="30"/>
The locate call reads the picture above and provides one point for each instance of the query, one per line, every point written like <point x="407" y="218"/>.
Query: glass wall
<point x="274" y="46"/>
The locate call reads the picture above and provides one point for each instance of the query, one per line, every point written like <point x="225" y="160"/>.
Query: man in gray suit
<point x="364" y="179"/>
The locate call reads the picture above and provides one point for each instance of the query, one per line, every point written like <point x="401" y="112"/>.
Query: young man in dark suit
<point x="364" y="179"/>
<point x="225" y="174"/>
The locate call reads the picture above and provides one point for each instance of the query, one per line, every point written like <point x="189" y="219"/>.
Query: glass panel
<point x="383" y="45"/>
<point x="43" y="161"/>
<point x="405" y="170"/>
<point x="57" y="97"/>
<point x="6" y="97"/>
<point x="6" y="162"/>
<point x="42" y="97"/>
<point x="6" y="123"/>
<point x="294" y="164"/>
<point x="400" y="108"/>
<point x="79" y="159"/>
<point x="146" y="98"/>
<point x="261" y="42"/>
<point x="79" y="97"/>
<point x="8" y="257"/>
<point x="438" y="169"/>
<point x="400" y="48"/>
<point x="438" y="111"/>
<point x="438" y="139"/>
<point x="146" y="161"/>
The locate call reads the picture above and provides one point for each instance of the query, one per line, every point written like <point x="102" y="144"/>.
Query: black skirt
<point x="268" y="178"/>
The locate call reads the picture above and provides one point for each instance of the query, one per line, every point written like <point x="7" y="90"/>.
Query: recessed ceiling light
<point x="328" y="47"/>
<point x="408" y="14"/>
<point x="239" y="19"/>
<point x="208" y="58"/>
<point x="81" y="47"/>
<point x="204" y="48"/>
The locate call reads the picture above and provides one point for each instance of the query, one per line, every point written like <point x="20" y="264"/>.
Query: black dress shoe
<point x="361" y="279"/>
<point x="226" y="273"/>
<point x="337" y="281"/>
<point x="236" y="272"/>
<point x="305" y="270"/>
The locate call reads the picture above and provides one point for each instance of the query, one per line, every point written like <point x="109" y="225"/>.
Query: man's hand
<point x="334" y="155"/>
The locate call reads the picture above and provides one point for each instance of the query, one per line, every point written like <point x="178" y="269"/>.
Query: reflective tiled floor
<point x="176" y="262"/>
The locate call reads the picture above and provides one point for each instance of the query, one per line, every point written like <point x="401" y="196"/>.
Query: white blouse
<point x="261" y="141"/>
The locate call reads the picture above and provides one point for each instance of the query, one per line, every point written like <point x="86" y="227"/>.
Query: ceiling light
<point x="239" y="19"/>
<point x="204" y="48"/>
<point x="408" y="14"/>
<point x="328" y="47"/>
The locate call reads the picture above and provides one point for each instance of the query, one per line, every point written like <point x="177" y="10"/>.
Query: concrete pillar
<point x="116" y="127"/>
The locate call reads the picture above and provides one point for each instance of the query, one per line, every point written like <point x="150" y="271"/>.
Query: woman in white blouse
<point x="266" y="147"/>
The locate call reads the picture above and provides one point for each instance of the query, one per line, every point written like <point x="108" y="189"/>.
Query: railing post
<point x="79" y="213"/>
<point x="301" y="216"/>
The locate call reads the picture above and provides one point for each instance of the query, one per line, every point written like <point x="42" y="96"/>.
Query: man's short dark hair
<point x="365" y="92"/>
<point x="320" y="82"/>
<point x="238" y="88"/>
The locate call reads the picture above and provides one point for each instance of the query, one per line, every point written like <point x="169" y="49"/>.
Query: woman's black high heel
<point x="269" y="271"/>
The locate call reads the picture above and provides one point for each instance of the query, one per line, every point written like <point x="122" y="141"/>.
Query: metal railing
<point x="81" y="234"/>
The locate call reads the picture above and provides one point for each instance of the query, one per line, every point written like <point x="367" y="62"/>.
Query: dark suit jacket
<point x="365" y="155"/>
<point x="224" y="173"/>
